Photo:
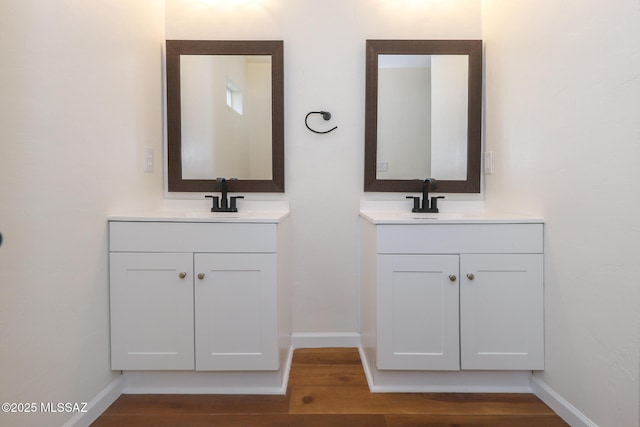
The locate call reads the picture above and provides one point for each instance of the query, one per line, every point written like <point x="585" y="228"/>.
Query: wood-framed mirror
<point x="225" y="115"/>
<point x="423" y="115"/>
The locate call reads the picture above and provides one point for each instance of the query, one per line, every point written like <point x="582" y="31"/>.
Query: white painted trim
<point x="98" y="404"/>
<point x="399" y="381"/>
<point x="368" y="373"/>
<point x="484" y="387"/>
<point x="209" y="382"/>
<point x="187" y="389"/>
<point x="325" y="339"/>
<point x="559" y="404"/>
<point x="287" y="369"/>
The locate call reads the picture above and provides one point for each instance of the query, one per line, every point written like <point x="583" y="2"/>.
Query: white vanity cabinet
<point x="452" y="295"/>
<point x="204" y="296"/>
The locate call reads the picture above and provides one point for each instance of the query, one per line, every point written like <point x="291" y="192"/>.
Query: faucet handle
<point x="233" y="203"/>
<point x="416" y="203"/>
<point x="215" y="202"/>
<point x="434" y="203"/>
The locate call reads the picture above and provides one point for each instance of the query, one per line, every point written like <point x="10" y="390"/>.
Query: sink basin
<point x="430" y="215"/>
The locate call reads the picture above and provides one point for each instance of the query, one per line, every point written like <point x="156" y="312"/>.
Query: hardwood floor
<point x="327" y="387"/>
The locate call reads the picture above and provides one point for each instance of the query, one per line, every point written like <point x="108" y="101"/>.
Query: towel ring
<point x="325" y="115"/>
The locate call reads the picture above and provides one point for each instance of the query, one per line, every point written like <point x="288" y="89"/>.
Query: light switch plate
<point x="488" y="162"/>
<point x="148" y="159"/>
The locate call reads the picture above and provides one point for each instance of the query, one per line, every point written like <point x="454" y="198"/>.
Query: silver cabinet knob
<point x="453" y="277"/>
<point x="471" y="276"/>
<point x="200" y="276"/>
<point x="182" y="275"/>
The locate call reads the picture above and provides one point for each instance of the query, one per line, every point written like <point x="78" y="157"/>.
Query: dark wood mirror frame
<point x="472" y="48"/>
<point x="174" y="49"/>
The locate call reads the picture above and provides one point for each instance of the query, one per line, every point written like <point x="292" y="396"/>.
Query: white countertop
<point x="261" y="217"/>
<point x="408" y="217"/>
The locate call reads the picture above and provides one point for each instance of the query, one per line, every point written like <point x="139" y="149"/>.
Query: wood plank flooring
<point x="327" y="387"/>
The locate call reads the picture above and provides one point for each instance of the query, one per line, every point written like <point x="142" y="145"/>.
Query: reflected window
<point x="234" y="96"/>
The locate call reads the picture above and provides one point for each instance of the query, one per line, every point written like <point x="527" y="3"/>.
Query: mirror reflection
<point x="423" y="115"/>
<point x="225" y="115"/>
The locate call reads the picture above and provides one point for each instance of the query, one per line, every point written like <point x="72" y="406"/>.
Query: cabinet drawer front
<point x="191" y="237"/>
<point x="460" y="238"/>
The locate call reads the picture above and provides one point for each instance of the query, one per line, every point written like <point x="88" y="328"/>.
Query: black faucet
<point x="429" y="184"/>
<point x="222" y="204"/>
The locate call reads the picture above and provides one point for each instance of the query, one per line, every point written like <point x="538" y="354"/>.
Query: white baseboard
<point x="191" y="382"/>
<point x="98" y="404"/>
<point x="560" y="405"/>
<point x="398" y="381"/>
<point x="325" y="339"/>
<point x="210" y="382"/>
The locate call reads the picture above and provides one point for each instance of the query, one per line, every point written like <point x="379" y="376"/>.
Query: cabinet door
<point x="151" y="311"/>
<point x="236" y="312"/>
<point x="501" y="311"/>
<point x="418" y="323"/>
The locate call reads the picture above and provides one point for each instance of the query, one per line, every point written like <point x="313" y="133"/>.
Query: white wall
<point x="404" y="122"/>
<point x="198" y="91"/>
<point x="450" y="105"/>
<point x="258" y="111"/>
<point x="563" y="121"/>
<point x="80" y="96"/>
<point x="324" y="61"/>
